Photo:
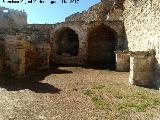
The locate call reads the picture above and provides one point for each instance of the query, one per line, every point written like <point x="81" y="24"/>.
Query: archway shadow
<point x="33" y="82"/>
<point x="59" y="71"/>
<point x="102" y="42"/>
<point x="37" y="87"/>
<point x="100" y="67"/>
<point x="152" y="87"/>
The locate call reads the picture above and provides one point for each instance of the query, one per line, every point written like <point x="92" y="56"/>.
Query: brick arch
<point x="66" y="41"/>
<point x="101" y="46"/>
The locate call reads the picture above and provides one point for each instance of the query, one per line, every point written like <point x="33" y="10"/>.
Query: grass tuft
<point x="98" y="101"/>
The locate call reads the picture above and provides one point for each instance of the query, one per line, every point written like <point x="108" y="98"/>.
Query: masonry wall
<point x="105" y="10"/>
<point x="37" y="47"/>
<point x="83" y="29"/>
<point x="12" y="18"/>
<point x="36" y="56"/>
<point x="122" y="61"/>
<point x="80" y="28"/>
<point x="116" y="11"/>
<point x="14" y="56"/>
<point x="98" y="12"/>
<point x="141" y="68"/>
<point x="24" y="51"/>
<point x="142" y="24"/>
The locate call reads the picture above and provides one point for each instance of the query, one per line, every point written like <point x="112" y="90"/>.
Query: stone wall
<point x="25" y="50"/>
<point x="36" y="33"/>
<point x="122" y="61"/>
<point x="83" y="29"/>
<point x="80" y="28"/>
<point x="116" y="12"/>
<point x="98" y="12"/>
<point x="76" y="17"/>
<point x="37" y="47"/>
<point x="142" y="24"/>
<point x="12" y="18"/>
<point x="142" y="68"/>
<point x="14" y="56"/>
<point x="105" y="10"/>
<point x="37" y="56"/>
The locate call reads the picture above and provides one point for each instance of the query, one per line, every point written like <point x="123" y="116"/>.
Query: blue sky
<point x="41" y="13"/>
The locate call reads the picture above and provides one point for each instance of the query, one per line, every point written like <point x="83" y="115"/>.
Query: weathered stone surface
<point x="30" y="48"/>
<point x="131" y="25"/>
<point x="82" y="29"/>
<point x="111" y="10"/>
<point x="37" y="56"/>
<point x="142" y="24"/>
<point x="142" y="68"/>
<point x="10" y="18"/>
<point x="15" y="56"/>
<point x="122" y="61"/>
<point x="26" y="51"/>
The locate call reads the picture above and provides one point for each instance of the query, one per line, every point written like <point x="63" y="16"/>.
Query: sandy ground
<point x="59" y="95"/>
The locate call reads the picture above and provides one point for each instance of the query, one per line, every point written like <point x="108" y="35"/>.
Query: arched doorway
<point x="66" y="41"/>
<point x="101" y="46"/>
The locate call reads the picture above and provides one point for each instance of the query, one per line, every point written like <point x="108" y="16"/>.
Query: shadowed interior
<point x="101" y="46"/>
<point x="67" y="42"/>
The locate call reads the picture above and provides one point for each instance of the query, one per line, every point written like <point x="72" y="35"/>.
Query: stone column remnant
<point x="122" y="61"/>
<point x="21" y="57"/>
<point x="142" y="68"/>
<point x="15" y="51"/>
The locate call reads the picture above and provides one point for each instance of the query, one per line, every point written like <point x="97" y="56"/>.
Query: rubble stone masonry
<point x="142" y="24"/>
<point x="128" y="25"/>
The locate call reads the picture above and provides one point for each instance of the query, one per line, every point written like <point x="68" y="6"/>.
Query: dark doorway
<point x="101" y="46"/>
<point x="67" y="42"/>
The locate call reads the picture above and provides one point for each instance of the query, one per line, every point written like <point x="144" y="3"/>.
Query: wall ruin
<point x="26" y="51"/>
<point x="122" y="61"/>
<point x="12" y="18"/>
<point x="106" y="10"/>
<point x="102" y="42"/>
<point x="142" y="68"/>
<point x="34" y="47"/>
<point x="142" y="20"/>
<point x="83" y="29"/>
<point x="130" y="26"/>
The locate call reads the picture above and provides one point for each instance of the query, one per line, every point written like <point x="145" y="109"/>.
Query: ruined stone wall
<point x="36" y="33"/>
<point x="12" y="18"/>
<point x="36" y="56"/>
<point x="142" y="68"/>
<point x="83" y="29"/>
<point x="98" y="12"/>
<point x="142" y="23"/>
<point x="105" y="10"/>
<point x="37" y="47"/>
<point x="76" y="17"/>
<point x="122" y="61"/>
<point x="116" y="12"/>
<point x="14" y="56"/>
<point x="25" y="50"/>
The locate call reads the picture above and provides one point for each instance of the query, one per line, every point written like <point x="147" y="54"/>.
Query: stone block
<point x="142" y="68"/>
<point x="122" y="61"/>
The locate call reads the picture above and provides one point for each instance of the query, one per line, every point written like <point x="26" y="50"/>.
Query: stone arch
<point x="101" y="46"/>
<point x="66" y="42"/>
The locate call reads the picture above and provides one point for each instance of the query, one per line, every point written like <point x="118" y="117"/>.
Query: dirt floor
<point x="75" y="93"/>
